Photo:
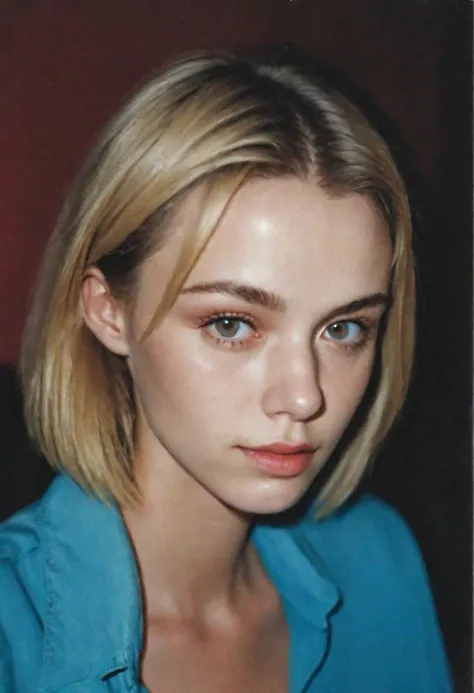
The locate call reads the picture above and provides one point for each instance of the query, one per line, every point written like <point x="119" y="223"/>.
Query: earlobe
<point x="102" y="312"/>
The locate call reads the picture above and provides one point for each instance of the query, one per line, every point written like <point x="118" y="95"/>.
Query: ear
<point x="102" y="313"/>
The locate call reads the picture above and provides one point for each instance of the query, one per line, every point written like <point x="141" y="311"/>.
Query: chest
<point x="251" y="661"/>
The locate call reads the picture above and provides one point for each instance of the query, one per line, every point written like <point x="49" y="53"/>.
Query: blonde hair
<point x="212" y="120"/>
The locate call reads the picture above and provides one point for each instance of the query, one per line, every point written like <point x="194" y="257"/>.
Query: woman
<point x="225" y="308"/>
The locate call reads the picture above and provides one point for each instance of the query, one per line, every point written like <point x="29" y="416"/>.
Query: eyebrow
<point x="374" y="300"/>
<point x="250" y="294"/>
<point x="272" y="301"/>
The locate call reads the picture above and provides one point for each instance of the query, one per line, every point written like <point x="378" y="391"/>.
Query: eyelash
<point x="368" y="330"/>
<point x="237" y="317"/>
<point x="367" y="327"/>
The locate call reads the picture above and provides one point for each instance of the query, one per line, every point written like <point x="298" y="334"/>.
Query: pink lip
<point x="284" y="448"/>
<point x="281" y="459"/>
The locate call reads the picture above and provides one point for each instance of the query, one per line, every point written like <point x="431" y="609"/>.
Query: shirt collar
<point x="308" y="596"/>
<point x="93" y="622"/>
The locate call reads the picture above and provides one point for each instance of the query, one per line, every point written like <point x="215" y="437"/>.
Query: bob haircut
<point x="213" y="120"/>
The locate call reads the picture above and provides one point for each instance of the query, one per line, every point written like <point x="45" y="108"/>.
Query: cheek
<point x="344" y="384"/>
<point x="176" y="381"/>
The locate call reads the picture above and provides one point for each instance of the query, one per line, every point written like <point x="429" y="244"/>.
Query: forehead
<point x="287" y="230"/>
<point x="291" y="237"/>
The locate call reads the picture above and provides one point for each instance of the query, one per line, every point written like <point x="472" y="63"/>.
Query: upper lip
<point x="284" y="448"/>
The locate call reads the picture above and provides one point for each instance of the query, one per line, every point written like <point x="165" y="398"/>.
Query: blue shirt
<point x="352" y="586"/>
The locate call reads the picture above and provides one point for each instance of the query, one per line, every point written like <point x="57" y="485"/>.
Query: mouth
<point x="281" y="459"/>
<point x="281" y="448"/>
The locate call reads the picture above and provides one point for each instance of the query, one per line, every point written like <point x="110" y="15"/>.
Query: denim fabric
<point x="353" y="590"/>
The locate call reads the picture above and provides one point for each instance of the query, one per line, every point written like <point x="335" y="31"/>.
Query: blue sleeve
<point x="424" y="644"/>
<point x="387" y="616"/>
<point x="21" y="581"/>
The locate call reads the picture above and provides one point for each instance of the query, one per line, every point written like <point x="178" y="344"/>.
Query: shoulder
<point x="367" y="550"/>
<point x="366" y="512"/>
<point x="367" y="546"/>
<point x="21" y="574"/>
<point x="22" y="611"/>
<point x="367" y="527"/>
<point x="20" y="534"/>
<point x="370" y="554"/>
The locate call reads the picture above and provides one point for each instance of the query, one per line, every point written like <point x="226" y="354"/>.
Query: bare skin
<point x="226" y="631"/>
<point x="232" y="642"/>
<point x="248" y="655"/>
<point x="206" y="386"/>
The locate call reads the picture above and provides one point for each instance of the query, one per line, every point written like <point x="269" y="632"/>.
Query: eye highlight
<point x="351" y="334"/>
<point x="231" y="329"/>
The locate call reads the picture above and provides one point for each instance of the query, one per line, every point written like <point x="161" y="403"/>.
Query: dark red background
<point x="65" y="66"/>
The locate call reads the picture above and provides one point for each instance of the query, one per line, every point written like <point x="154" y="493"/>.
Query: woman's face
<point x="271" y="341"/>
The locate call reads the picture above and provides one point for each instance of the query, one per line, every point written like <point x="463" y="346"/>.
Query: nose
<point x="293" y="387"/>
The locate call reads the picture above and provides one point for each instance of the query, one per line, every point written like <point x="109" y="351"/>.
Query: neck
<point x="192" y="550"/>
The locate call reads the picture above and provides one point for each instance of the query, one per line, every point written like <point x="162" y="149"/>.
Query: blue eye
<point x="346" y="332"/>
<point x="230" y="328"/>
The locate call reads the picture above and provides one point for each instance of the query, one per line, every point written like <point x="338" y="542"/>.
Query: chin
<point x="269" y="503"/>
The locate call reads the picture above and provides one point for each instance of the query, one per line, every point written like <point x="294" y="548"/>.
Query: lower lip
<point x="280" y="465"/>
